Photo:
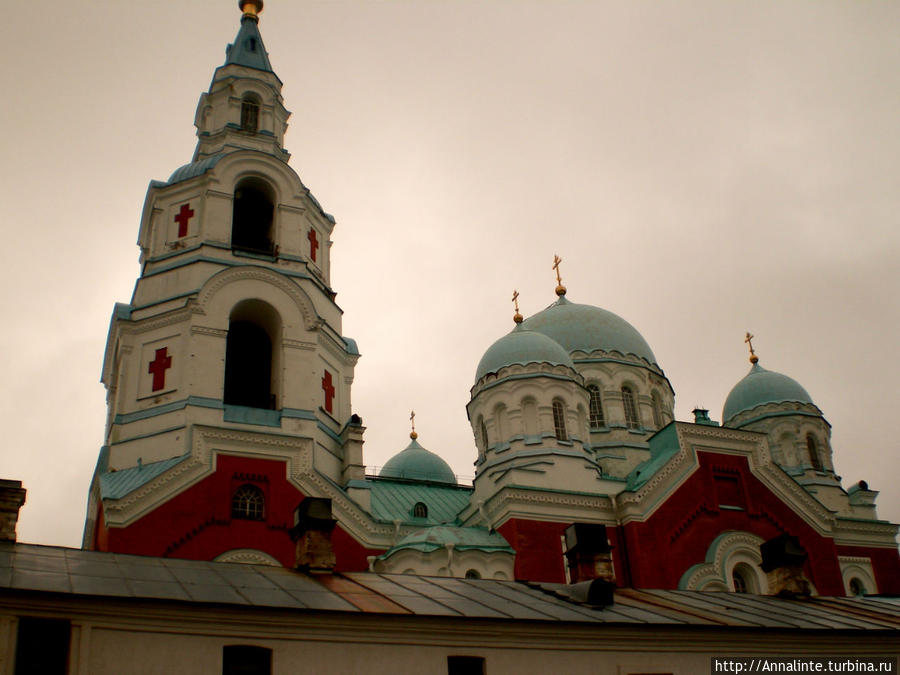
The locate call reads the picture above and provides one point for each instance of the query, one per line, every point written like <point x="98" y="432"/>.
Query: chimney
<point x="701" y="416"/>
<point x="12" y="496"/>
<point x="782" y="561"/>
<point x="589" y="554"/>
<point x="311" y="533"/>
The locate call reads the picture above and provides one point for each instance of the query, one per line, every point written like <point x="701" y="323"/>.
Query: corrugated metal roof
<point x="394" y="500"/>
<point x="30" y="568"/>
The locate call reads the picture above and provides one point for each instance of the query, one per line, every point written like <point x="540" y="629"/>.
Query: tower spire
<point x="248" y="49"/>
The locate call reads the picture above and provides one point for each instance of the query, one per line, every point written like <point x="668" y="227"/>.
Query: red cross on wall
<point x="328" y="388"/>
<point x="313" y="244"/>
<point x="158" y="368"/>
<point x="184" y="215"/>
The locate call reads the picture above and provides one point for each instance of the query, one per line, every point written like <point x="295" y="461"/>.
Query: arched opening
<point x="596" y="408"/>
<point x="657" y="411"/>
<point x="250" y="113"/>
<point x="559" y="421"/>
<point x="420" y="510"/>
<point x="251" y="221"/>
<point x="529" y="417"/>
<point x="248" y="503"/>
<point x="253" y="331"/>
<point x="632" y="420"/>
<point x="743" y="579"/>
<point x="472" y="574"/>
<point x="484" y="436"/>
<point x="814" y="459"/>
<point x="857" y="587"/>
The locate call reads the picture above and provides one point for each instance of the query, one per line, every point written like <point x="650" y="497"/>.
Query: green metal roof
<point x="462" y="538"/>
<point x="761" y="386"/>
<point x="417" y="463"/>
<point x="586" y="328"/>
<point x="118" y="484"/>
<point x="248" y="48"/>
<point x="394" y="500"/>
<point x="194" y="169"/>
<point x="521" y="346"/>
<point x="663" y="446"/>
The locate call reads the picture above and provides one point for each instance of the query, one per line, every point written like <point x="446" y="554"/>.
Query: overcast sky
<point x="703" y="169"/>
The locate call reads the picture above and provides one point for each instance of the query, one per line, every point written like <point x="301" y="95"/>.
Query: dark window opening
<point x="248" y="503"/>
<point x="248" y="366"/>
<point x="484" y="436"/>
<point x="559" y="421"/>
<point x="657" y="411"/>
<point x="740" y="584"/>
<point x="814" y="458"/>
<point x="246" y="660"/>
<point x="597" y="421"/>
<point x="856" y="587"/>
<point x="42" y="646"/>
<point x="251" y="222"/>
<point x="250" y="114"/>
<point x="472" y="574"/>
<point x="465" y="665"/>
<point x="420" y="510"/>
<point x="632" y="421"/>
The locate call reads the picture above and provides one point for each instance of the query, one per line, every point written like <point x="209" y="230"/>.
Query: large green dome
<point x="761" y="386"/>
<point x="521" y="346"/>
<point x="586" y="328"/>
<point x="417" y="463"/>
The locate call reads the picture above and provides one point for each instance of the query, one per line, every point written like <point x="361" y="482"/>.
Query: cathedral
<point x="229" y="383"/>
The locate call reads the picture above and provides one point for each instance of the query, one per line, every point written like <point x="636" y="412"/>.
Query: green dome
<point x="586" y="328"/>
<point x="761" y="386"/>
<point x="417" y="463"/>
<point x="521" y="346"/>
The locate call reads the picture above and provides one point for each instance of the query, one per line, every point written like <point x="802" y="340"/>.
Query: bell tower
<point x="230" y="355"/>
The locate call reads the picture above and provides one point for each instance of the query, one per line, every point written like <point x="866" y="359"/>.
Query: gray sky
<point x="703" y="168"/>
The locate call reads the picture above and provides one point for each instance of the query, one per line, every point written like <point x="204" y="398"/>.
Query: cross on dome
<point x="560" y="289"/>
<point x="515" y="298"/>
<point x="753" y="357"/>
<point x="412" y="420"/>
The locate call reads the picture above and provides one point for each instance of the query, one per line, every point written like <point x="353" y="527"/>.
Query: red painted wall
<point x="197" y="523"/>
<point x="678" y="535"/>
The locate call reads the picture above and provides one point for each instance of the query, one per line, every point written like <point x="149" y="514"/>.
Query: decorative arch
<point x="252" y="355"/>
<point x="209" y="300"/>
<point x="730" y="556"/>
<point x="247" y="556"/>
<point x="858" y="575"/>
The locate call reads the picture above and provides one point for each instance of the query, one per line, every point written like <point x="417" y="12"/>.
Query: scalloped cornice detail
<point x="494" y="379"/>
<point x="726" y="546"/>
<point x="761" y="411"/>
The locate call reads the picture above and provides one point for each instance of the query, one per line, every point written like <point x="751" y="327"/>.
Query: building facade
<point x="229" y="383"/>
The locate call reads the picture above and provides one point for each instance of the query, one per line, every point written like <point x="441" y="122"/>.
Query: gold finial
<point x="515" y="298"/>
<point x="251" y="8"/>
<point x="560" y="289"/>
<point x="753" y="357"/>
<point x="412" y="420"/>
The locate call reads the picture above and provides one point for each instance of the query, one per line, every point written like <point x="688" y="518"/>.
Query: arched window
<point x="484" y="436"/>
<point x="657" y="411"/>
<point x="248" y="503"/>
<point x="251" y="219"/>
<point x="856" y="587"/>
<point x="529" y="417"/>
<point x="814" y="458"/>
<point x="740" y="584"/>
<point x="420" y="510"/>
<point x="559" y="421"/>
<point x="597" y="421"/>
<point x="744" y="579"/>
<point x="472" y="574"/>
<point x="632" y="421"/>
<point x="250" y="113"/>
<point x="249" y="354"/>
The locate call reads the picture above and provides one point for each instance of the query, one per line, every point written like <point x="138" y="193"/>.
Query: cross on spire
<point x="313" y="244"/>
<point x="412" y="420"/>
<point x="753" y="357"/>
<point x="182" y="218"/>
<point x="515" y="298"/>
<point x="328" y="388"/>
<point x="158" y="367"/>
<point x="560" y="289"/>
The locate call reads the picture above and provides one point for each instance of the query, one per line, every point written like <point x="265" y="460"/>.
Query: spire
<point x="560" y="289"/>
<point x="515" y="298"/>
<point x="753" y="357"/>
<point x="248" y="49"/>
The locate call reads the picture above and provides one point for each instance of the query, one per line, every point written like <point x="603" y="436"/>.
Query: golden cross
<point x="515" y="299"/>
<point x="753" y="357"/>
<point x="412" y="420"/>
<point x="556" y="261"/>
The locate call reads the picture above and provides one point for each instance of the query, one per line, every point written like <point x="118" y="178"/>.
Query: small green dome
<point x="761" y="386"/>
<point x="586" y="328"/>
<point x="521" y="346"/>
<point x="417" y="463"/>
